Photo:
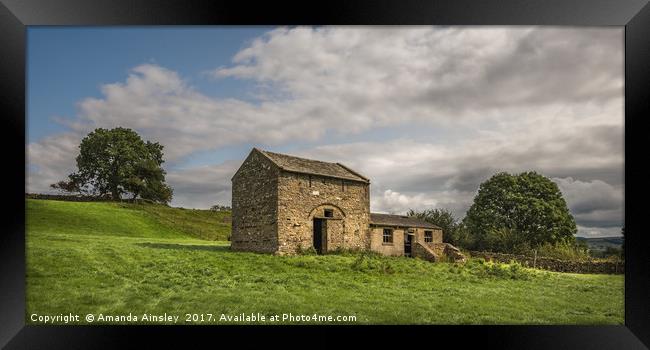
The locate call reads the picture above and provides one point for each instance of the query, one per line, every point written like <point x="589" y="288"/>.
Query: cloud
<point x="593" y="203"/>
<point x="397" y="203"/>
<point x="377" y="75"/>
<point x="592" y="232"/>
<point x="202" y="187"/>
<point x="50" y="161"/>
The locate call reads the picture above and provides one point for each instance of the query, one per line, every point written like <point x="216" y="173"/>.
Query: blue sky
<point x="426" y="112"/>
<point x="67" y="64"/>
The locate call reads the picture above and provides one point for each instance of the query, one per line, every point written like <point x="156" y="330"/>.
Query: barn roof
<point x="313" y="167"/>
<point x="399" y="220"/>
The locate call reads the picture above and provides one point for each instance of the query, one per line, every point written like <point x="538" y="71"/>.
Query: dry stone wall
<point x="76" y="198"/>
<point x="588" y="266"/>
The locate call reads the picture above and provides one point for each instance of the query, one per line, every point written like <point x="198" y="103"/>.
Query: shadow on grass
<point x="185" y="246"/>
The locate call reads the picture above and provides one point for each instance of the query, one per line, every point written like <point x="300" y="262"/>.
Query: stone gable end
<point x="255" y="205"/>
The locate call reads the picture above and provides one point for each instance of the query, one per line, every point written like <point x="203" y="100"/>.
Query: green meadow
<point x="120" y="259"/>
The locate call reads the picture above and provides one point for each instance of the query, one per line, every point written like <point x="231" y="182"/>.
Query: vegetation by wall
<point x="67" y="197"/>
<point x="586" y="266"/>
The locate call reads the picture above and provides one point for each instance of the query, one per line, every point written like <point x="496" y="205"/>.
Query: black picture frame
<point x="16" y="15"/>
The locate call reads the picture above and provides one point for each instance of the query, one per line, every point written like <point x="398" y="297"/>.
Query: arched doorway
<point x="327" y="221"/>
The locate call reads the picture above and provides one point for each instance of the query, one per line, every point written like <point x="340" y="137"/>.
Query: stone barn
<point x="283" y="204"/>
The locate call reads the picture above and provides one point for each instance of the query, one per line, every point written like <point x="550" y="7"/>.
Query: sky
<point x="426" y="112"/>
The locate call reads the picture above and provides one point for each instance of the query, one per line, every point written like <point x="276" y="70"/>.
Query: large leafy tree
<point x="527" y="208"/>
<point x="118" y="162"/>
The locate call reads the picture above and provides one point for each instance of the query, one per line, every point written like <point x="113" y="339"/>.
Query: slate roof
<point x="399" y="220"/>
<point x="313" y="167"/>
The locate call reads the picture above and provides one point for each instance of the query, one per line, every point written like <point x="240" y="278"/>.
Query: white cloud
<point x="397" y="203"/>
<point x="50" y="161"/>
<point x="202" y="187"/>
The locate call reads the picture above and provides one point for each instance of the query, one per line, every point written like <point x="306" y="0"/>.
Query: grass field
<point x="117" y="259"/>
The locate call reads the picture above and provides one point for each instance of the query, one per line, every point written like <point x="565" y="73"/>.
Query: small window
<point x="428" y="236"/>
<point x="388" y="235"/>
<point x="329" y="213"/>
<point x="343" y="185"/>
<point x="309" y="180"/>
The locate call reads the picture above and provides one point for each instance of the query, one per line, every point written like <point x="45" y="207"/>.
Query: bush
<point x="462" y="238"/>
<point x="512" y="270"/>
<point x="505" y="240"/>
<point x="564" y="250"/>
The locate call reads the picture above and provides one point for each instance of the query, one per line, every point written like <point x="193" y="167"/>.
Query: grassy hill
<point x="126" y="219"/>
<point x="118" y="259"/>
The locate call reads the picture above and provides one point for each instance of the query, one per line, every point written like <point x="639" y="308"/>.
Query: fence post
<point x="535" y="259"/>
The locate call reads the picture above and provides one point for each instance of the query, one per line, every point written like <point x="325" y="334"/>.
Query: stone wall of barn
<point x="254" y="205"/>
<point x="391" y="249"/>
<point x="302" y="197"/>
<point x="397" y="247"/>
<point x="435" y="233"/>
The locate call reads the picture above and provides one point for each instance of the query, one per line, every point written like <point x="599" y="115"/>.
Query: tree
<point x="219" y="207"/>
<point x="67" y="186"/>
<point x="439" y="217"/>
<point x="528" y="207"/>
<point x="623" y="245"/>
<point x="116" y="162"/>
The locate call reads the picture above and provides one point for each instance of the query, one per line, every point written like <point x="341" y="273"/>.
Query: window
<point x="428" y="236"/>
<point x="309" y="180"/>
<point x="329" y="213"/>
<point x="388" y="235"/>
<point x="343" y="185"/>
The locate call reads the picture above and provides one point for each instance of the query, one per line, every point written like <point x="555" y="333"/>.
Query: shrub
<point x="505" y="240"/>
<point x="482" y="268"/>
<point x="462" y="238"/>
<point x="564" y="250"/>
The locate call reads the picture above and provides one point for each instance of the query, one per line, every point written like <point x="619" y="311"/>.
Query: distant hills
<point x="602" y="243"/>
